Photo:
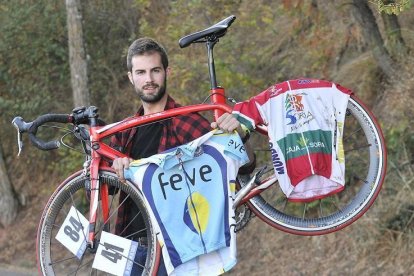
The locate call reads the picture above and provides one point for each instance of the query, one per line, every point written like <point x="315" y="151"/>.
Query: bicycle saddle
<point x="217" y="30"/>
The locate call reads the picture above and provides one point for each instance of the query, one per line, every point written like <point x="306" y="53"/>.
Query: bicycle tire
<point x="365" y="172"/>
<point x="54" y="259"/>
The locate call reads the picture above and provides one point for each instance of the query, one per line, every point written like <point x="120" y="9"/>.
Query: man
<point x="147" y="63"/>
<point x="148" y="69"/>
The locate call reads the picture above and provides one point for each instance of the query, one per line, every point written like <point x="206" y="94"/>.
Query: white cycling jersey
<point x="189" y="191"/>
<point x="305" y="120"/>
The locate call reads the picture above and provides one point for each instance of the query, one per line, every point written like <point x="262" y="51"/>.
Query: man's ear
<point x="168" y="71"/>
<point x="130" y="77"/>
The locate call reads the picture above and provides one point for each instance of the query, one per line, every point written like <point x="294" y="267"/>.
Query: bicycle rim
<point x="365" y="157"/>
<point x="54" y="259"/>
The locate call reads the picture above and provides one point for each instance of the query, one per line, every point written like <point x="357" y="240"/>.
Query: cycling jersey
<point x="189" y="191"/>
<point x="305" y="120"/>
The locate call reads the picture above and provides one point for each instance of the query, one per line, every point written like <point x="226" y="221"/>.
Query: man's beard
<point x="152" y="98"/>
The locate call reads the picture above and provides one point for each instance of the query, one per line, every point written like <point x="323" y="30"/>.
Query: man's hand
<point x="119" y="165"/>
<point x="228" y="123"/>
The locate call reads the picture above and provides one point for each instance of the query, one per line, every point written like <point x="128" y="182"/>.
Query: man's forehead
<point x="152" y="59"/>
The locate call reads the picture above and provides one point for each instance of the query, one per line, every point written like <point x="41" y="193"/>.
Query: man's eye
<point x="139" y="72"/>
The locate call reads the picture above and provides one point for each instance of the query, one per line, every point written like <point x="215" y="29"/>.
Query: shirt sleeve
<point x="251" y="112"/>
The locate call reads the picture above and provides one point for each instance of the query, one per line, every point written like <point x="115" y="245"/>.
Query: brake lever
<point x="19" y="138"/>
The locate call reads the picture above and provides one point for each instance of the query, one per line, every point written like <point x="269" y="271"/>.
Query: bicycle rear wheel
<point x="55" y="259"/>
<point x="365" y="159"/>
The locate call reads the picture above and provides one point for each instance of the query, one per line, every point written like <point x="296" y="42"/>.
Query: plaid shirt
<point x="176" y="131"/>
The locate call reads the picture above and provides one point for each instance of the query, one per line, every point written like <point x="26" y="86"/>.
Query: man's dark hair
<point x="143" y="46"/>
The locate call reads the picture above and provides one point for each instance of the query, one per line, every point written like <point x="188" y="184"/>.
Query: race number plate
<point x="73" y="232"/>
<point x="115" y="254"/>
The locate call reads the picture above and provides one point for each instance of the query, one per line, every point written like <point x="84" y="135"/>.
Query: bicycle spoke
<point x="110" y="206"/>
<point x="344" y="139"/>
<point x="320" y="208"/>
<point x="135" y="233"/>
<point x="81" y="266"/>
<point x="62" y="260"/>
<point x="305" y="208"/>
<point x="79" y="220"/>
<point x="336" y="206"/>
<point x="114" y="212"/>
<point x="358" y="147"/>
<point x="356" y="177"/>
<point x="132" y="220"/>
<point x="113" y="198"/>
<point x="285" y="204"/>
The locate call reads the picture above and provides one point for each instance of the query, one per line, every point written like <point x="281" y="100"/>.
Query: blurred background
<point x="366" y="46"/>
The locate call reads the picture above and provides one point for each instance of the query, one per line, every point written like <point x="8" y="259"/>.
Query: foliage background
<point x="270" y="41"/>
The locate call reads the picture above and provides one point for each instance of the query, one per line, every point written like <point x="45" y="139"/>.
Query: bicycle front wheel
<point x="55" y="259"/>
<point x="365" y="159"/>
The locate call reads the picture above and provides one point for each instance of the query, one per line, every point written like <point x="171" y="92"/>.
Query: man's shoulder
<point x="171" y="103"/>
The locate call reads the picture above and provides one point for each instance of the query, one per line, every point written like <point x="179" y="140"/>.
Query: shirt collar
<point x="169" y="105"/>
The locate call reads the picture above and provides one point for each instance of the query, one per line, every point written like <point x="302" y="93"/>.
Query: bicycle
<point x="94" y="190"/>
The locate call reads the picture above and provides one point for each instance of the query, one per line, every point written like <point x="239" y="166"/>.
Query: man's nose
<point x="149" y="77"/>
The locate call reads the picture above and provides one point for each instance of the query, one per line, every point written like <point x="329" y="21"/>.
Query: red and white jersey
<point x="305" y="120"/>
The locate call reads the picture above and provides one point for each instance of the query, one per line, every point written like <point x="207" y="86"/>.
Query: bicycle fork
<point x="98" y="193"/>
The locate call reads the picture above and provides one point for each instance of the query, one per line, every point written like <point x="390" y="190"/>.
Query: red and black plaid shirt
<point x="176" y="131"/>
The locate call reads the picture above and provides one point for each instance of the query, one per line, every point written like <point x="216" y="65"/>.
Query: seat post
<point x="211" y="68"/>
<point x="217" y="93"/>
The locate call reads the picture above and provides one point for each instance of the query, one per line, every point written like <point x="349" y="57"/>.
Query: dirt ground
<point x="356" y="250"/>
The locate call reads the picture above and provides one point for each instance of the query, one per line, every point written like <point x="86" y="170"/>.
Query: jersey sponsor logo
<point x="197" y="212"/>
<point x="295" y="148"/>
<point x="304" y="81"/>
<point x="276" y="161"/>
<point x="177" y="181"/>
<point x="236" y="147"/>
<point x="297" y="114"/>
<point x="340" y="150"/>
<point x="299" y="144"/>
<point x="274" y="91"/>
<point x="308" y="81"/>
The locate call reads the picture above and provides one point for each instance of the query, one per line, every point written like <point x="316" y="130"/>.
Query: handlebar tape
<point x="31" y="128"/>
<point x="40" y="144"/>
<point x="55" y="118"/>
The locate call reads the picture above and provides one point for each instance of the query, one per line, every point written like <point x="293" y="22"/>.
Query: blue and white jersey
<point x="189" y="191"/>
